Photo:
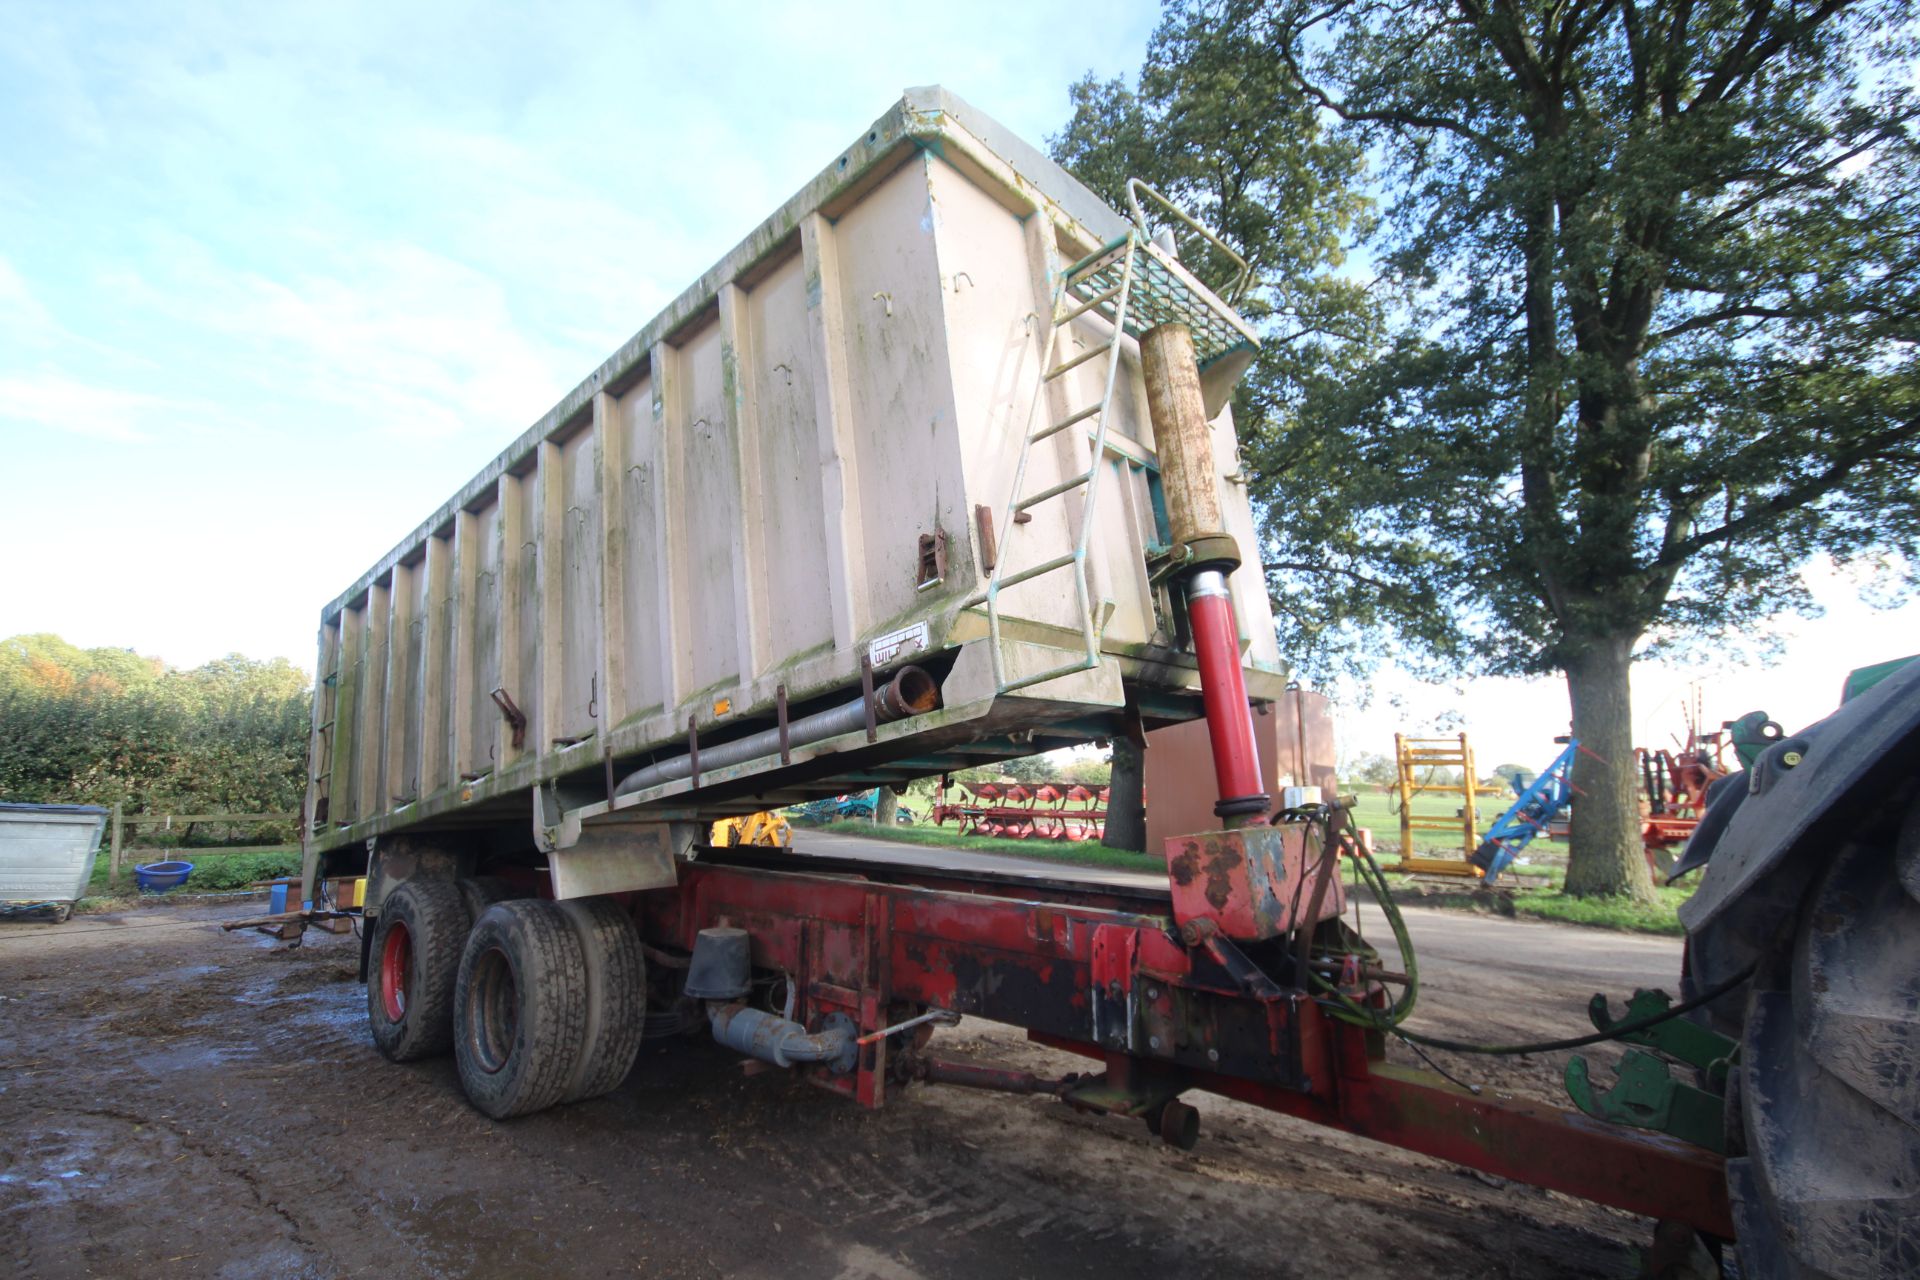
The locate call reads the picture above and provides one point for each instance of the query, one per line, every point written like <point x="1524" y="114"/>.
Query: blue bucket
<point x="162" y="877"/>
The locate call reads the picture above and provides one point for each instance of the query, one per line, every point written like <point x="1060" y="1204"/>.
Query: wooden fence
<point x="117" y="846"/>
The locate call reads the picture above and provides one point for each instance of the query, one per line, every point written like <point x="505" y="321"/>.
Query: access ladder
<point x="1135" y="285"/>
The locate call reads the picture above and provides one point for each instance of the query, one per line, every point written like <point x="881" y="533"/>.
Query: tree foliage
<point x="1374" y="768"/>
<point x="1510" y="777"/>
<point x="106" y="726"/>
<point x="1638" y="338"/>
<point x="1653" y="322"/>
<point x="1204" y="123"/>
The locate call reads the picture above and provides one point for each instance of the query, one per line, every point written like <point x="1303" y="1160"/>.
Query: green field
<point x="1537" y="896"/>
<point x="1376" y="811"/>
<point x="1380" y="812"/>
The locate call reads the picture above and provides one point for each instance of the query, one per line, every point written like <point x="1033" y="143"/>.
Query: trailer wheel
<point x="481" y="892"/>
<point x="413" y="959"/>
<point x="519" y="1008"/>
<point x="616" y="996"/>
<point x="1829" y="1181"/>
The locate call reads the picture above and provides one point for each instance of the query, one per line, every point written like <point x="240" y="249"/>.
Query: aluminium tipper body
<point x="802" y="464"/>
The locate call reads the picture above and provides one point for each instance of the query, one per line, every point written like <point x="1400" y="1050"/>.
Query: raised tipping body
<point x="799" y="474"/>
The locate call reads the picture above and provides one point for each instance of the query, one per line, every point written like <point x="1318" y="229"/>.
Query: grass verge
<point x="1086" y="853"/>
<point x="1542" y="899"/>
<point x="213" y="871"/>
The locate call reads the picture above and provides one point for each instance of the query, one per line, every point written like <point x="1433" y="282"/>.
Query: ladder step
<point x="1089" y="354"/>
<point x="1053" y="491"/>
<point x="1034" y="571"/>
<point x="1039" y="677"/>
<point x="1089" y="305"/>
<point x="1063" y="424"/>
<point x="1097" y="259"/>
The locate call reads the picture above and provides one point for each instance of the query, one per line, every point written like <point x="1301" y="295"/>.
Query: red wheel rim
<point x="396" y="968"/>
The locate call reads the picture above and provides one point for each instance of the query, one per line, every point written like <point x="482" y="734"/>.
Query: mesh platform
<point x="1163" y="290"/>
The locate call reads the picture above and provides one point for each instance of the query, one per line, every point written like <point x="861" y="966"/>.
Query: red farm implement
<point x="1674" y="782"/>
<point x="1023" y="811"/>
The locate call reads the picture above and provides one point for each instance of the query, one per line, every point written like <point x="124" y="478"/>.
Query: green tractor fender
<point x="1812" y="890"/>
<point x="1772" y="829"/>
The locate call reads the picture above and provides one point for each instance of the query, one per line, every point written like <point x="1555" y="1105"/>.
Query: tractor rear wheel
<point x="1829" y="1096"/>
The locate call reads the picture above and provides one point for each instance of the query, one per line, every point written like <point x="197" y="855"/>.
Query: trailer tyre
<point x="616" y="996"/>
<point x="481" y="892"/>
<point x="413" y="961"/>
<point x="520" y="1008"/>
<point x="1828" y="1183"/>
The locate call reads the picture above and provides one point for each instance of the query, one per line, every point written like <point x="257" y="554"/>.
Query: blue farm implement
<point x="1534" y="808"/>
<point x="857" y="807"/>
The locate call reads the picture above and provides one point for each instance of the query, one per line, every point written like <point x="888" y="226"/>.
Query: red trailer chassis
<point x="1105" y="973"/>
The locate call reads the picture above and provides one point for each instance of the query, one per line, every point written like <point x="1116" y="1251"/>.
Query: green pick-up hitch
<point x="1646" y="1095"/>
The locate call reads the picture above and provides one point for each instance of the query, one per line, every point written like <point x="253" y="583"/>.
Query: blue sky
<point x="276" y="279"/>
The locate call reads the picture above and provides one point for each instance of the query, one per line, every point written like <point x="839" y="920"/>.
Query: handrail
<point x="1135" y="186"/>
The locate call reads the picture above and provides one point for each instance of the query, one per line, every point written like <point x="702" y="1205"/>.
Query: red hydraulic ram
<point x="1223" y="690"/>
<point x="1188" y="480"/>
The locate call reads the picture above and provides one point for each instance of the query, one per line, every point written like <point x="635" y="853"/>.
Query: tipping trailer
<point x="967" y="426"/>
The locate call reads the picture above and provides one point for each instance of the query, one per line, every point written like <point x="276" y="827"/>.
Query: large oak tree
<point x="1634" y="341"/>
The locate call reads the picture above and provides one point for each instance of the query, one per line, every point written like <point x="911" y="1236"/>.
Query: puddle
<point x="191" y="1057"/>
<point x="55" y="1166"/>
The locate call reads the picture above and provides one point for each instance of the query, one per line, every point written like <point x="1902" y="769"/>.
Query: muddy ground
<point x="178" y="1101"/>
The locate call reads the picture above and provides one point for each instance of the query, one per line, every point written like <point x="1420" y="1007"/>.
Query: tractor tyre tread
<point x="1828" y="1182"/>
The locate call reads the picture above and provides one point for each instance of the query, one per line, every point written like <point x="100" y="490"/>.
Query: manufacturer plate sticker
<point x="886" y="648"/>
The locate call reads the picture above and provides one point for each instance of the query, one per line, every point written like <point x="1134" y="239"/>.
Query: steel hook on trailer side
<point x="516" y="718"/>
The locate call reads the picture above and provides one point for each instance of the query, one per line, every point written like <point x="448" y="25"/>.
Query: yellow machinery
<point x="767" y="830"/>
<point x="1426" y="766"/>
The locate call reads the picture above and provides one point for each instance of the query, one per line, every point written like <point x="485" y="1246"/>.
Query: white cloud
<point x="21" y="314"/>
<point x="88" y="409"/>
<point x="380" y="339"/>
<point x="334" y="259"/>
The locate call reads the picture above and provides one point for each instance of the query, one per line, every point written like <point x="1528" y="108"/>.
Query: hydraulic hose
<point x="1345" y="1008"/>
<point x="1375" y="879"/>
